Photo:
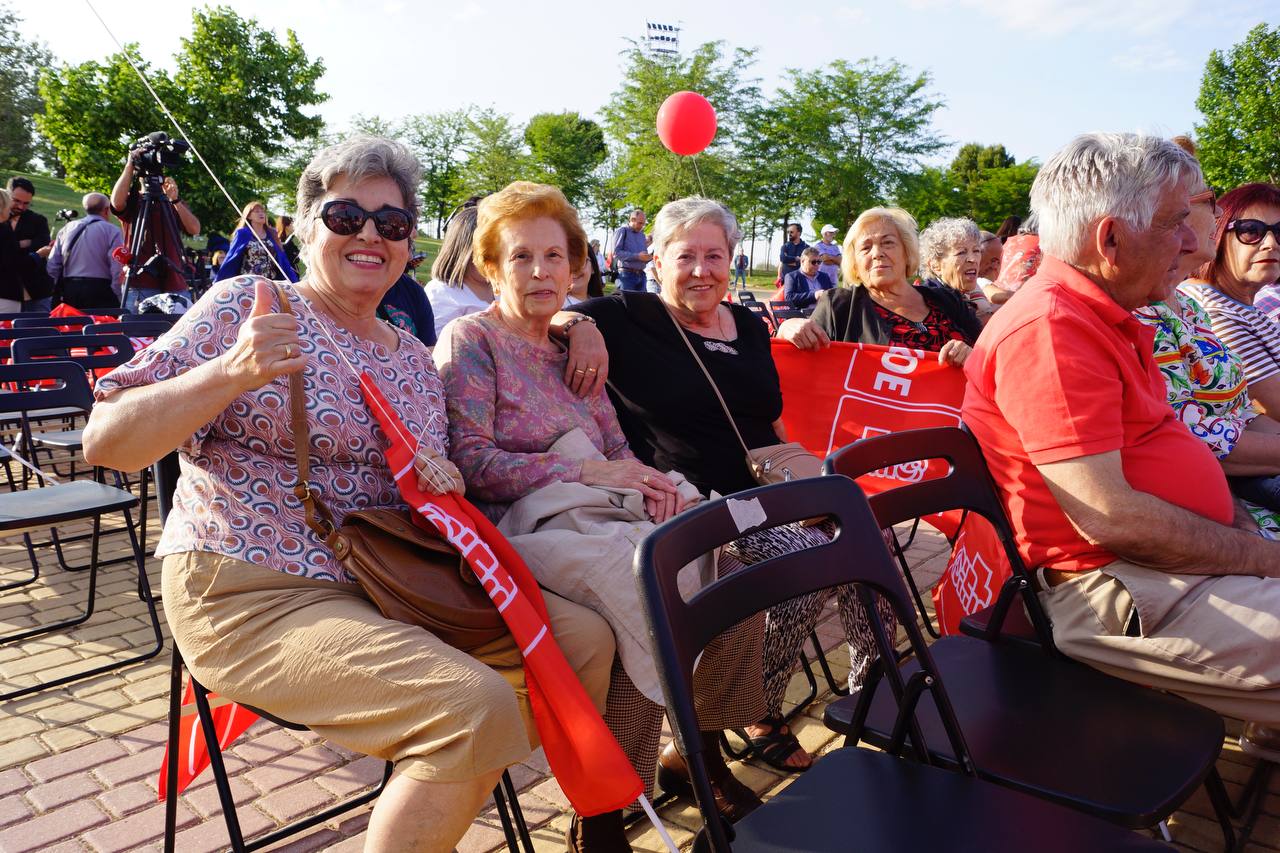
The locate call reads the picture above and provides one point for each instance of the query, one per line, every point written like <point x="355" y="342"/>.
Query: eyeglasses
<point x="1253" y="231"/>
<point x="347" y="218"/>
<point x="1209" y="196"/>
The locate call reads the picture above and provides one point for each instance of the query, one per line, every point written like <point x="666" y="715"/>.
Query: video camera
<point x="153" y="152"/>
<point x="67" y="214"/>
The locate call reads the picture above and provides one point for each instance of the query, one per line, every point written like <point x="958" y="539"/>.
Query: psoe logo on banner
<point x="906" y="472"/>
<point x="970" y="577"/>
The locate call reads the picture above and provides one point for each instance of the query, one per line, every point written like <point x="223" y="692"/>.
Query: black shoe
<point x="603" y="833"/>
<point x="734" y="800"/>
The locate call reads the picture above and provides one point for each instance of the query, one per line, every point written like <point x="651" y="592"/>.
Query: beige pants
<point x="1214" y="640"/>
<point x="319" y="653"/>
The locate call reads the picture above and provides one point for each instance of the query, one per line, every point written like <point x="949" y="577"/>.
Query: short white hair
<point x="680" y="216"/>
<point x="941" y="238"/>
<point x="1103" y="174"/>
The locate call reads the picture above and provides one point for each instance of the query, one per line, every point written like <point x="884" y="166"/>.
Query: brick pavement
<point x="78" y="764"/>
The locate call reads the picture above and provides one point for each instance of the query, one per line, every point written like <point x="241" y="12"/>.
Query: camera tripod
<point x="148" y="242"/>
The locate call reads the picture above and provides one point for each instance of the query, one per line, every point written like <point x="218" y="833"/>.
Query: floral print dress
<point x="1206" y="383"/>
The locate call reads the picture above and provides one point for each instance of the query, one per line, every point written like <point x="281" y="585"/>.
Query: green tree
<point x="238" y="90"/>
<point x="983" y="183"/>
<point x="860" y="130"/>
<point x="650" y="173"/>
<point x="565" y="150"/>
<point x="438" y="139"/>
<point x="1240" y="101"/>
<point x="607" y="196"/>
<point x="20" y="62"/>
<point x="495" y="153"/>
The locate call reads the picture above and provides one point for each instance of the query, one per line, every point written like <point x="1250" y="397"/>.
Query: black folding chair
<point x="1035" y="720"/>
<point x="130" y="328"/>
<point x="55" y="504"/>
<point x="48" y="322"/>
<point x="850" y="799"/>
<point x="165" y="472"/>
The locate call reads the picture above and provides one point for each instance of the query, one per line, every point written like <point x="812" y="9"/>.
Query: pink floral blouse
<point x="507" y="405"/>
<point x="235" y="495"/>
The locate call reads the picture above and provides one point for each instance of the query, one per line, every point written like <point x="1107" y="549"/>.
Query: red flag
<point x="974" y="574"/>
<point x="584" y="756"/>
<point x="229" y="721"/>
<point x="848" y="392"/>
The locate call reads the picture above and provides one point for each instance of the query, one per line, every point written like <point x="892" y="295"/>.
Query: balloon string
<point x="698" y="174"/>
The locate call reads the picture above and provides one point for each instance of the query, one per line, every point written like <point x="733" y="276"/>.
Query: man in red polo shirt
<point x="1148" y="570"/>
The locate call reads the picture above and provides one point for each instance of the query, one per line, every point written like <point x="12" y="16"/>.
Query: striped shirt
<point x="1247" y="332"/>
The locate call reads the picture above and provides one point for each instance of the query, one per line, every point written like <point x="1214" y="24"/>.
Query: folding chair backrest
<point x="130" y="328"/>
<point x="48" y="322"/>
<point x="11" y="316"/>
<point x="680" y="629"/>
<point x="68" y="386"/>
<point x="967" y="486"/>
<point x="60" y="347"/>
<point x="164" y="318"/>
<point x="166" y="473"/>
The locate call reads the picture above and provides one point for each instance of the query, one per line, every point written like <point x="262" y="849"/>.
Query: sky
<point x="1029" y="74"/>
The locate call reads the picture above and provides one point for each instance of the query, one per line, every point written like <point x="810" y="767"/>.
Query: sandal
<point x="777" y="746"/>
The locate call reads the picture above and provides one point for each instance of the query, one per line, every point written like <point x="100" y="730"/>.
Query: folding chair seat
<point x="1034" y="720"/>
<point x="850" y="799"/>
<point x="51" y="505"/>
<point x="165" y="473"/>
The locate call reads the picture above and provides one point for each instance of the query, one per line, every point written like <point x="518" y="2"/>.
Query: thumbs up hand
<point x="267" y="345"/>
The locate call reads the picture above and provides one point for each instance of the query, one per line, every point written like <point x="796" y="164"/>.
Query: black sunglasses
<point x="347" y="218"/>
<point x="1253" y="231"/>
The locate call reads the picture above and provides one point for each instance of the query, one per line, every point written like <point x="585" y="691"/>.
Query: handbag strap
<point x="316" y="514"/>
<point x="715" y="388"/>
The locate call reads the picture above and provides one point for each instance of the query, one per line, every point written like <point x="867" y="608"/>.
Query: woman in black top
<point x="881" y="252"/>
<point x="673" y="421"/>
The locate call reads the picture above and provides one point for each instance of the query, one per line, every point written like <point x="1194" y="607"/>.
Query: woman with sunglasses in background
<point x="258" y="604"/>
<point x="1246" y="258"/>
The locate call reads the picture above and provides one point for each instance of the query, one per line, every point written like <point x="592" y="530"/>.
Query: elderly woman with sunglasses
<point x="259" y="606"/>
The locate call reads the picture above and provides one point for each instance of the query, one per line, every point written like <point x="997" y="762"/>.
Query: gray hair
<point x="683" y="214"/>
<point x="941" y="237"/>
<point x="357" y="159"/>
<point x="1103" y="174"/>
<point x="95" y="203"/>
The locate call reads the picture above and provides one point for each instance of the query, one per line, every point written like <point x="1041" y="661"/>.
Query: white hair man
<point x="1147" y="570"/>
<point x="84" y="272"/>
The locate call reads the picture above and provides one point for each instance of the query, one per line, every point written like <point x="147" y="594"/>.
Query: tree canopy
<point x="983" y="183"/>
<point x="20" y="62"/>
<point x="239" y="91"/>
<point x="1240" y="101"/>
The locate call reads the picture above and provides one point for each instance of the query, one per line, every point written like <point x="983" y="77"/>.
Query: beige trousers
<point x="319" y="653"/>
<point x="1214" y="640"/>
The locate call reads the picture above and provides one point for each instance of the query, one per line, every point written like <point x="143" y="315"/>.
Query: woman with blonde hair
<point x="881" y="253"/>
<point x="254" y="248"/>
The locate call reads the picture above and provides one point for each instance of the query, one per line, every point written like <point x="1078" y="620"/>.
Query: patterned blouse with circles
<point x="235" y="495"/>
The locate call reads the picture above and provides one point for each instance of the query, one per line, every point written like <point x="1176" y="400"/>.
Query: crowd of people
<point x="1121" y="348"/>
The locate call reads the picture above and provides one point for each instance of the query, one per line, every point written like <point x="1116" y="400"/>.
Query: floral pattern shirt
<point x="235" y="495"/>
<point x="1206" y="383"/>
<point x="930" y="334"/>
<point x="508" y="404"/>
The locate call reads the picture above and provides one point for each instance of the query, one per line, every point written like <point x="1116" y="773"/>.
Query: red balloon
<point x="686" y="123"/>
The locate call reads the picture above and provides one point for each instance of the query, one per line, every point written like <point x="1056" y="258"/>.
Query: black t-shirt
<point x="164" y="237"/>
<point x="668" y="411"/>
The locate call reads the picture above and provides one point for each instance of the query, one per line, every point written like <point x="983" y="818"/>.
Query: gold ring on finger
<point x="591" y="370"/>
<point x="579" y="370"/>
<point x="645" y="479"/>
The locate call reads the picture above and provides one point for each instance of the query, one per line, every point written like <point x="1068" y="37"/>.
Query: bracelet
<point x="581" y="318"/>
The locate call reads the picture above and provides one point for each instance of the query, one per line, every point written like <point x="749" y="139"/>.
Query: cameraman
<point x="126" y="198"/>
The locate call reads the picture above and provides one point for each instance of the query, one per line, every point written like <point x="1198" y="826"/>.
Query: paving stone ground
<point x="78" y="764"/>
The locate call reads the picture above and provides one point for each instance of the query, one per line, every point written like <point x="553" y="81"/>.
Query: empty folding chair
<point x="59" y="503"/>
<point x="850" y="799"/>
<point x="1034" y="719"/>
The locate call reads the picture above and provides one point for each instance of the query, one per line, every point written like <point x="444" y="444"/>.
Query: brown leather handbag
<point x="411" y="575"/>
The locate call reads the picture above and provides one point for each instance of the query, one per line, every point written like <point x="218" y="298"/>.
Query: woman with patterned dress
<point x="262" y="611"/>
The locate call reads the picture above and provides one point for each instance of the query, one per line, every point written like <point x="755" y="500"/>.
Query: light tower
<point x="662" y="39"/>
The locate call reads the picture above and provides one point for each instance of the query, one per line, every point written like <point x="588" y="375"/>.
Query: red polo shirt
<point x="1060" y="372"/>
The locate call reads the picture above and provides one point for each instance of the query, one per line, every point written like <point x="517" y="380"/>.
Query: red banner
<point x="850" y="392"/>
